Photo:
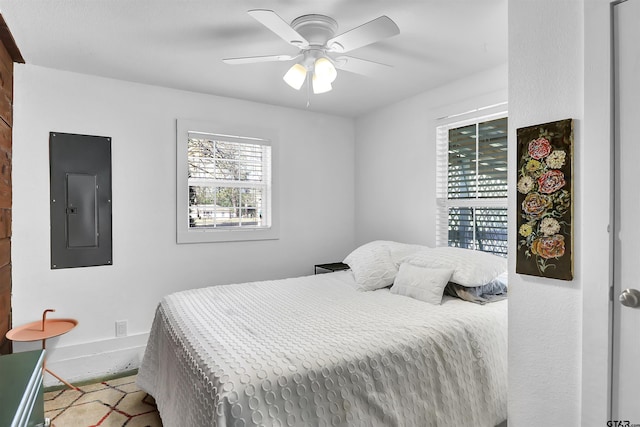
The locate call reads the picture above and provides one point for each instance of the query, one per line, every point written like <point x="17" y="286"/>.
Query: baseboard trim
<point x="88" y="361"/>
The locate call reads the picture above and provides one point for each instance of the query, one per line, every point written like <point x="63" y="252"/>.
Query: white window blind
<point x="472" y="184"/>
<point x="229" y="182"/>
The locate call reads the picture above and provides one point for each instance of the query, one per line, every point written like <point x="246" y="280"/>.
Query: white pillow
<point x="400" y="251"/>
<point x="372" y="265"/>
<point x="424" y="284"/>
<point x="471" y="268"/>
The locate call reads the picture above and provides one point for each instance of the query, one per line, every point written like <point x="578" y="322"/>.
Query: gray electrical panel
<point x="80" y="190"/>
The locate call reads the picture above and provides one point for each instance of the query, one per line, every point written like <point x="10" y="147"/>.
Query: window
<point x="225" y="185"/>
<point x="472" y="185"/>
<point x="229" y="182"/>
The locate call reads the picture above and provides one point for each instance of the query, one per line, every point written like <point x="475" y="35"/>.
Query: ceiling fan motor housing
<point x="316" y="29"/>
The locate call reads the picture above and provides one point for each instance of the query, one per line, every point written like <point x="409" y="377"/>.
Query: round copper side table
<point x="43" y="330"/>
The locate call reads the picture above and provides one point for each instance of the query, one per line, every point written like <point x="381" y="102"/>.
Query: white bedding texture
<point x="318" y="351"/>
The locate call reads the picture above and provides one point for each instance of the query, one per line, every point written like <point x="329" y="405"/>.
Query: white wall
<point x="396" y="158"/>
<point x="546" y="83"/>
<point x="316" y="205"/>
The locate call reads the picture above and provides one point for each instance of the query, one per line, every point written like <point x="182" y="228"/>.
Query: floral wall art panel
<point x="545" y="200"/>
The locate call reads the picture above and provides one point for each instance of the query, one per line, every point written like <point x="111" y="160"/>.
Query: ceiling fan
<point x="321" y="51"/>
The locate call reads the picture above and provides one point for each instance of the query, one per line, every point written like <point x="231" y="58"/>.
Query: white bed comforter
<point x="314" y="351"/>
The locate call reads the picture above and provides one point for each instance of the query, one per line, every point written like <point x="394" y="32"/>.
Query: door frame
<point x="597" y="238"/>
<point x="616" y="287"/>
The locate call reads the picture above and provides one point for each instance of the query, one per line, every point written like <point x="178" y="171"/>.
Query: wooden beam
<point x="9" y="42"/>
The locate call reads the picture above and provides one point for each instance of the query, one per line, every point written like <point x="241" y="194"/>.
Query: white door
<point x="626" y="303"/>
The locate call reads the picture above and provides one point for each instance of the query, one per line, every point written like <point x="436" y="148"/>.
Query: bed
<point x="321" y="351"/>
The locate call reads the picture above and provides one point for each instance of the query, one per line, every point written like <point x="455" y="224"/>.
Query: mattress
<point x="315" y="351"/>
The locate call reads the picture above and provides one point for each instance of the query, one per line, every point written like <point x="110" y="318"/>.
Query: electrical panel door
<point x="80" y="187"/>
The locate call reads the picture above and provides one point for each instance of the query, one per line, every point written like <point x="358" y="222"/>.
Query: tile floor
<point x="117" y="402"/>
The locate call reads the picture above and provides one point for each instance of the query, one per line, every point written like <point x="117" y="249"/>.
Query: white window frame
<point x="238" y="133"/>
<point x="443" y="203"/>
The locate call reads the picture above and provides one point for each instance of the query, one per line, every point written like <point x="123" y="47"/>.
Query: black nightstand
<point x="333" y="266"/>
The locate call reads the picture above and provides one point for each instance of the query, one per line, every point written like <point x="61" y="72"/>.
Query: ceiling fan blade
<point x="360" y="66"/>
<point x="272" y="21"/>
<point x="371" y="32"/>
<point x="254" y="59"/>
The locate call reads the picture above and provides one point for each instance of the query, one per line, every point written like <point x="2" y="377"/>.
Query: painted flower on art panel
<point x="549" y="226"/>
<point x="551" y="181"/>
<point x="539" y="148"/>
<point x="525" y="184"/>
<point x="548" y="247"/>
<point x="556" y="159"/>
<point x="526" y="230"/>
<point x="533" y="165"/>
<point x="535" y="205"/>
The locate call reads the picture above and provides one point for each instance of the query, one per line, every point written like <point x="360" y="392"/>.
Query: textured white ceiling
<point x="180" y="44"/>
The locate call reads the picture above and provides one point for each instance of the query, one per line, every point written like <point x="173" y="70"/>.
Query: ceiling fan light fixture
<point x="320" y="85"/>
<point x="295" y="76"/>
<point x="324" y="69"/>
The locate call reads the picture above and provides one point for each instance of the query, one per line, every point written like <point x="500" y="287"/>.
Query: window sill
<point x="235" y="235"/>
